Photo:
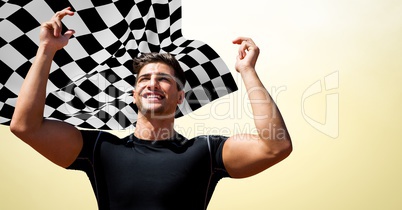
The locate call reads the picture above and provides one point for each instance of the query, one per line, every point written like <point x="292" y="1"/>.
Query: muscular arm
<point x="246" y="154"/>
<point x="57" y="141"/>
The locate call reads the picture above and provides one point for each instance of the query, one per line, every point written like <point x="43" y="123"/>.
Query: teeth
<point x="154" y="96"/>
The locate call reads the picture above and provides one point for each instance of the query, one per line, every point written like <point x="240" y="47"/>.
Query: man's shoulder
<point x="209" y="138"/>
<point x="213" y="136"/>
<point x="99" y="135"/>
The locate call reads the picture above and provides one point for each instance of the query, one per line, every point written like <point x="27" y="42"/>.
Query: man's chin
<point x="156" y="112"/>
<point x="152" y="110"/>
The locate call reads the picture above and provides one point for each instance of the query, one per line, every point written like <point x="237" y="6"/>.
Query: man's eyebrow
<point x="158" y="74"/>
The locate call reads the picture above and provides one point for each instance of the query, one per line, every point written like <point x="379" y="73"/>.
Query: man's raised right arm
<point x="57" y="141"/>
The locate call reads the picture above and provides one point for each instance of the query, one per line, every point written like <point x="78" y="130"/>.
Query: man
<point x="155" y="167"/>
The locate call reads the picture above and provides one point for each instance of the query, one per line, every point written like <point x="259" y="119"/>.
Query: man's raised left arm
<point x="245" y="155"/>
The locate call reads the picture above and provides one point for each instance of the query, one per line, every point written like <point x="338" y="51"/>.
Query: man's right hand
<point x="50" y="34"/>
<point x="58" y="141"/>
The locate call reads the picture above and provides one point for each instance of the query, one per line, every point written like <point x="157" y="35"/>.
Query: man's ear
<point x="134" y="95"/>
<point x="180" y="97"/>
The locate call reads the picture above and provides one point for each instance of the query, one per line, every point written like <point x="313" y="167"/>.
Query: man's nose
<point x="153" y="83"/>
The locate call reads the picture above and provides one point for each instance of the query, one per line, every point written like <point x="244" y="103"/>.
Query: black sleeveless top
<point x="137" y="174"/>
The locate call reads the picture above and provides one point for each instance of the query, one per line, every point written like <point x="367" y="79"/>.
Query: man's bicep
<point x="58" y="141"/>
<point x="244" y="156"/>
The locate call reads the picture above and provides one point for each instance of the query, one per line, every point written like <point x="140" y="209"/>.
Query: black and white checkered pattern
<point x="90" y="83"/>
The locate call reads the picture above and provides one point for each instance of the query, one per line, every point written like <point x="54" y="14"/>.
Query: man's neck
<point x="154" y="129"/>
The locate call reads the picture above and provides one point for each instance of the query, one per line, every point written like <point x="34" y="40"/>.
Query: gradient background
<point x="352" y="161"/>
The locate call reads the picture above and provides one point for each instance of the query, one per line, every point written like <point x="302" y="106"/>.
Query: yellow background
<point x="301" y="43"/>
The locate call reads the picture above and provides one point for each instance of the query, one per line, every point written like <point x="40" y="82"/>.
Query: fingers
<point x="241" y="39"/>
<point x="246" y="44"/>
<point x="247" y="54"/>
<point x="242" y="49"/>
<point x="56" y="20"/>
<point x="69" y="33"/>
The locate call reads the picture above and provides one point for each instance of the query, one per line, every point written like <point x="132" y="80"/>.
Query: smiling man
<point x="158" y="91"/>
<point x="155" y="167"/>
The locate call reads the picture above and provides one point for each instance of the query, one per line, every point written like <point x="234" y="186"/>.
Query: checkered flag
<point x="90" y="82"/>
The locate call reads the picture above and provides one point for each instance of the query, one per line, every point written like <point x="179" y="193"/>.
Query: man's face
<point x="155" y="92"/>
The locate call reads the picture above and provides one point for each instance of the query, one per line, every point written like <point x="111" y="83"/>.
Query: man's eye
<point x="164" y="79"/>
<point x="143" y="79"/>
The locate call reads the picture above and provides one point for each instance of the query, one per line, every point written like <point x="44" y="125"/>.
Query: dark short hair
<point x="166" y="58"/>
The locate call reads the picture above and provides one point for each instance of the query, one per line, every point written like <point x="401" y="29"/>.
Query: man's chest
<point x="154" y="171"/>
